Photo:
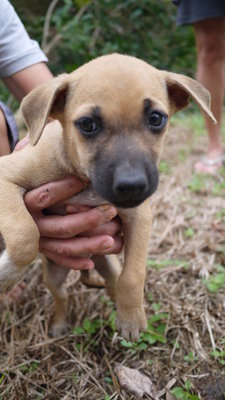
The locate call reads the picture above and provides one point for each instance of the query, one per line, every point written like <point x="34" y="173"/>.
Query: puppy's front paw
<point x="58" y="329"/>
<point x="131" y="322"/>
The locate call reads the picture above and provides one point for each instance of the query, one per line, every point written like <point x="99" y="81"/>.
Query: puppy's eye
<point x="157" y="121"/>
<point x="87" y="125"/>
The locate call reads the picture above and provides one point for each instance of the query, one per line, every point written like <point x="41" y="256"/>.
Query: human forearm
<point x="24" y="81"/>
<point x="4" y="142"/>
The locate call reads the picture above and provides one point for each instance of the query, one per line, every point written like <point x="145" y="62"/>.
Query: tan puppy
<point x="113" y="115"/>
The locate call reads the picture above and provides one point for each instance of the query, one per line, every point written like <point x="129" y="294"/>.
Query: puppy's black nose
<point x="130" y="187"/>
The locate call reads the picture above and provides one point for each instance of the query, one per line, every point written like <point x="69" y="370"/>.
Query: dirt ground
<point x="183" y="351"/>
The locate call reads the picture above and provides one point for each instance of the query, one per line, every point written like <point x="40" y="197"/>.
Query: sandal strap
<point x="213" y="161"/>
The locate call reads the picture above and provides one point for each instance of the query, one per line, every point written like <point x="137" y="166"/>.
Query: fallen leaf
<point x="134" y="382"/>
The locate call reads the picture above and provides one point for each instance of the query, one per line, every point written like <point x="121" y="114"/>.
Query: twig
<point x="209" y="328"/>
<point x="52" y="44"/>
<point x="94" y="38"/>
<point x="167" y="387"/>
<point x="47" y="22"/>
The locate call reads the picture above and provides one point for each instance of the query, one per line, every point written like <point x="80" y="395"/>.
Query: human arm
<point x="22" y="62"/>
<point x="22" y="82"/>
<point x="4" y="142"/>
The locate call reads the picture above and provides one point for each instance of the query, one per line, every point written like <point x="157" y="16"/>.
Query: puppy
<point x="111" y="117"/>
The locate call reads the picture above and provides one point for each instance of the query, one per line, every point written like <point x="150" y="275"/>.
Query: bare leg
<point x="210" y="43"/>
<point x="14" y="295"/>
<point x="4" y="142"/>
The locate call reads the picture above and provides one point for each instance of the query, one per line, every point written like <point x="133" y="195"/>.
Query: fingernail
<point x="109" y="211"/>
<point x="107" y="244"/>
<point x="104" y="207"/>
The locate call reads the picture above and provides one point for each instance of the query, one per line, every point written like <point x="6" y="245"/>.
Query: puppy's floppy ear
<point x="181" y="88"/>
<point x="46" y="100"/>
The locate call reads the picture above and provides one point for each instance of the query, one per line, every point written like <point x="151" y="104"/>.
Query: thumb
<point x="22" y="143"/>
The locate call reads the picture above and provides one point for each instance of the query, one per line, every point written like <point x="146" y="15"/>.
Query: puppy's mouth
<point x="126" y="185"/>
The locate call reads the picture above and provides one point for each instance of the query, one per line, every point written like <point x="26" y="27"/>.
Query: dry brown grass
<point x="189" y="231"/>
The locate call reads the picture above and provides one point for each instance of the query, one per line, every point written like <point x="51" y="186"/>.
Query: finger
<point x="76" y="263"/>
<point x="22" y="143"/>
<point x="117" y="246"/>
<point x="67" y="226"/>
<point x="108" y="228"/>
<point x="80" y="247"/>
<point x="52" y="193"/>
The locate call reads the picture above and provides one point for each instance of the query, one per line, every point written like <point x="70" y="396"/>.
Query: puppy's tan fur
<point x="118" y="85"/>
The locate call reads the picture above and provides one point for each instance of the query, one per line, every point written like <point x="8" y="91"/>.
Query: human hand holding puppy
<point x="69" y="239"/>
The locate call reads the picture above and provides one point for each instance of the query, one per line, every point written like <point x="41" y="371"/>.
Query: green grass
<point x="182" y="394"/>
<point x="216" y="281"/>
<point x="184" y="154"/>
<point x="190" y="357"/>
<point x="220" y="215"/>
<point x="155" y="333"/>
<point x="166" y="263"/>
<point x="219" y="355"/>
<point x="87" y="335"/>
<point x="193" y="119"/>
<point x="189" y="233"/>
<point x="164" y="168"/>
<point x="206" y="184"/>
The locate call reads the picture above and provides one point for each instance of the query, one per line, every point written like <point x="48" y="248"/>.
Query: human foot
<point x="209" y="165"/>
<point x="14" y="294"/>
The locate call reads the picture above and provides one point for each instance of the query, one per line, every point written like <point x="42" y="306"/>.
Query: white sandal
<point x="213" y="161"/>
<point x="209" y="165"/>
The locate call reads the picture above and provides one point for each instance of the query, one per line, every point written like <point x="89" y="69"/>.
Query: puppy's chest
<point x="88" y="197"/>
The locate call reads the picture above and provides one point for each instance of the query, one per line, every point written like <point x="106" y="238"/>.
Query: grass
<point x="216" y="281"/>
<point x="207" y="184"/>
<point x="160" y="264"/>
<point x="192" y="119"/>
<point x="184" y="394"/>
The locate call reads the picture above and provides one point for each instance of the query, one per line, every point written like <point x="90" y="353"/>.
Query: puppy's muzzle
<point x="129" y="184"/>
<point x="125" y="183"/>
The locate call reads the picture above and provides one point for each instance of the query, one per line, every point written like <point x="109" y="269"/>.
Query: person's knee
<point x="211" y="50"/>
<point x="210" y="40"/>
<point x="210" y="44"/>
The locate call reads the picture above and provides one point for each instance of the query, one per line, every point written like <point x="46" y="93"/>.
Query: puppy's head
<point x="115" y="112"/>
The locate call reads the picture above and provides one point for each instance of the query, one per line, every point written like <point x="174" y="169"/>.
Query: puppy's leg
<point x="92" y="279"/>
<point x="131" y="318"/>
<point x="19" y="232"/>
<point x="109" y="268"/>
<point x="54" y="276"/>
